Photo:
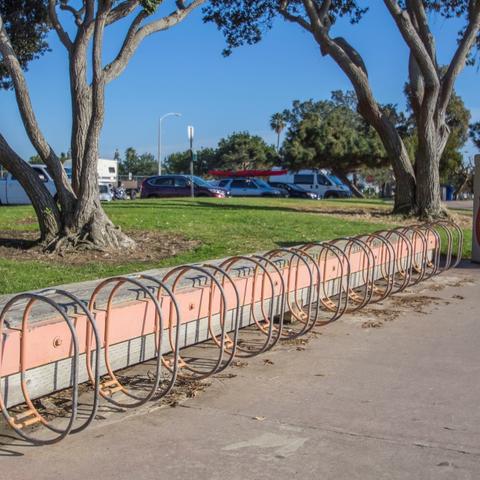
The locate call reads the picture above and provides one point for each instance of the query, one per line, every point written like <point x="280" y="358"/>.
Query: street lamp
<point x="171" y="114"/>
<point x="191" y="133"/>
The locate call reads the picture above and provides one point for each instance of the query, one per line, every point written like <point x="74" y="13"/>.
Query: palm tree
<point x="277" y="124"/>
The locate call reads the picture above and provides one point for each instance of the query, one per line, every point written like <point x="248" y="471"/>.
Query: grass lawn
<point x="223" y="227"/>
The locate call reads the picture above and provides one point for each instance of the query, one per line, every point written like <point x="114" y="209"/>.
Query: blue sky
<point x="183" y="70"/>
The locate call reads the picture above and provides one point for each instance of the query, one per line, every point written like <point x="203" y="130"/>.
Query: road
<point x="389" y="393"/>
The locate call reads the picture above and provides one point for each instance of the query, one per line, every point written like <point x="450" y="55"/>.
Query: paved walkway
<point x="460" y="204"/>
<point x="391" y="393"/>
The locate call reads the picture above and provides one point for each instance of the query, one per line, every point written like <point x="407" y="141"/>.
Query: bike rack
<point x="247" y="301"/>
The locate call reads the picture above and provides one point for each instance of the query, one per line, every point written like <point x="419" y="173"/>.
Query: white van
<point x="107" y="171"/>
<point x="321" y="182"/>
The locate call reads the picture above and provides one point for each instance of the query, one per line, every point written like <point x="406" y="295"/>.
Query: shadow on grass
<point x="21" y="240"/>
<point x="378" y="213"/>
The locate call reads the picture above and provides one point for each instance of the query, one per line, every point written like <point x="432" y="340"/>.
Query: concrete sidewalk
<point x="391" y="392"/>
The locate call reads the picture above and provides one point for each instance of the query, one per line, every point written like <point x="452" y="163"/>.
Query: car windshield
<point x="262" y="183"/>
<point x="335" y="180"/>
<point x="200" y="182"/>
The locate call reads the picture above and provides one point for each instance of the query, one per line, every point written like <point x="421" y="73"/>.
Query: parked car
<point x="321" y="182"/>
<point x="162" y="186"/>
<point x="105" y="193"/>
<point x="12" y="193"/>
<point x="294" y="191"/>
<point x="249" y="187"/>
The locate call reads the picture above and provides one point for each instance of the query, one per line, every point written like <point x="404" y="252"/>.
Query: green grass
<point x="224" y="227"/>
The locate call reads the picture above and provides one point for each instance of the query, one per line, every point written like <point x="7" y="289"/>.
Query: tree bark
<point x="427" y="166"/>
<point x="81" y="98"/>
<point x="46" y="209"/>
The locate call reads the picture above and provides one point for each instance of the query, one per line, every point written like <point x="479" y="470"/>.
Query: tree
<point x="35" y="160"/>
<point x="277" y="124"/>
<point x="244" y="21"/>
<point x="475" y="134"/>
<point x="331" y="134"/>
<point x="241" y="151"/>
<point x="206" y="159"/>
<point x="79" y="220"/>
<point x="137" y="165"/>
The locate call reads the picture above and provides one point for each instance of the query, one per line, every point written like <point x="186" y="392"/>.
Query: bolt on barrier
<point x="245" y="306"/>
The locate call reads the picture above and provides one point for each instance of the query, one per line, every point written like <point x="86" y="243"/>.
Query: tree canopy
<point x="205" y="159"/>
<point x="238" y="151"/>
<point x="330" y="134"/>
<point x="137" y="165"/>
<point x="241" y="151"/>
<point x="27" y="25"/>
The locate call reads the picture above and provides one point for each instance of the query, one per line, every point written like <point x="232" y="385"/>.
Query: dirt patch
<point x="151" y="246"/>
<point x="376" y="315"/>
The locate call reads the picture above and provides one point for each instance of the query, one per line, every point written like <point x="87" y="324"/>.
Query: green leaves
<point x="331" y="134"/>
<point x="150" y="6"/>
<point x="243" y="22"/>
<point x="27" y="25"/>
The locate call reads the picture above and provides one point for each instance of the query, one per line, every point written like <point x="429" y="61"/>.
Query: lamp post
<point x="191" y="132"/>
<point x="159" y="153"/>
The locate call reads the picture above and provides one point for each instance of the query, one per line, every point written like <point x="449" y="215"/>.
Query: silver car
<point x="105" y="193"/>
<point x="249" y="187"/>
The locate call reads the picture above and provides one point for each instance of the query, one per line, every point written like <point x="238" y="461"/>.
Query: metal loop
<point x="32" y="416"/>
<point x="113" y="385"/>
<point x="177" y="274"/>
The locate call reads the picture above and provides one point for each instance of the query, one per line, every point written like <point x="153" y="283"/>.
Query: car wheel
<point x="331" y="195"/>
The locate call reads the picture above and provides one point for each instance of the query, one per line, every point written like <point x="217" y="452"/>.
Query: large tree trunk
<point x="404" y="200"/>
<point x="45" y="207"/>
<point x="90" y="226"/>
<point x="427" y="167"/>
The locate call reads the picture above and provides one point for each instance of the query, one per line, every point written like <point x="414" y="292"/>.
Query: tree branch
<point x="122" y="10"/>
<point x="45" y="207"/>
<point x="61" y="33"/>
<point x="460" y="57"/>
<point x="417" y="10"/>
<point x="294" y="18"/>
<point x="415" y="43"/>
<point x="137" y="34"/>
<point x="29" y="119"/>
<point x="77" y="14"/>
